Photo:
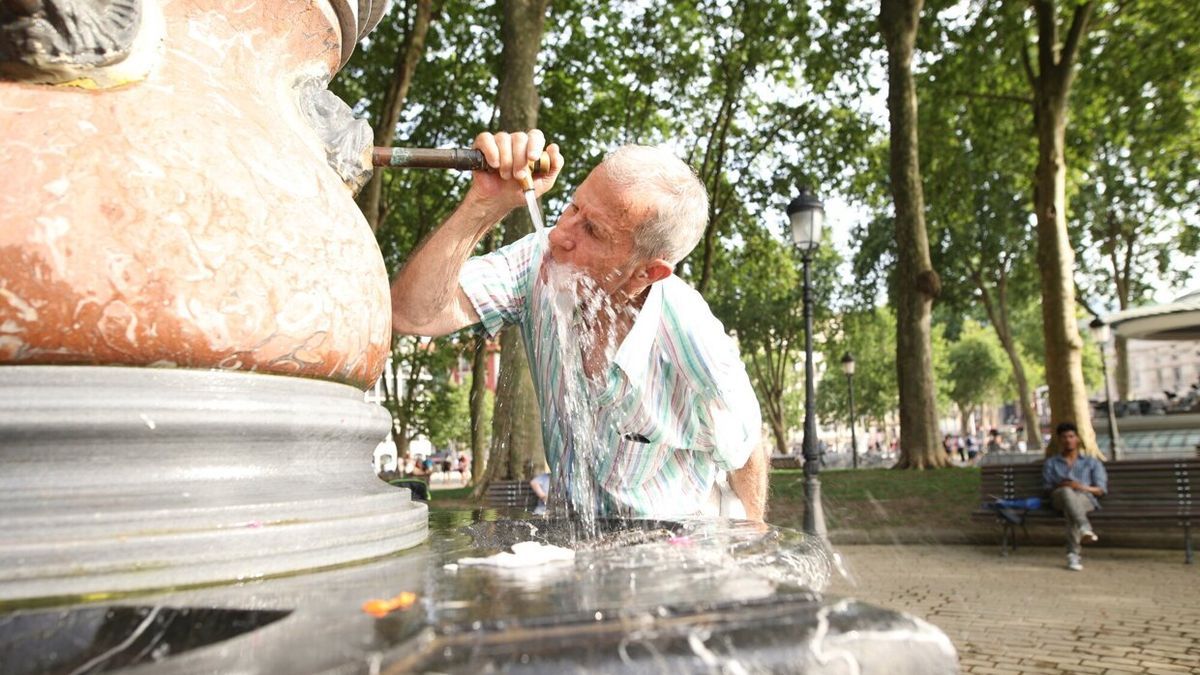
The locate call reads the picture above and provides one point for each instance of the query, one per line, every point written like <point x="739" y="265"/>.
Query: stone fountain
<point x="190" y="302"/>
<point x="190" y="307"/>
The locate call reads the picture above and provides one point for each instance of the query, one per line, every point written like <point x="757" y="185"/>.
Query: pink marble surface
<point x="189" y="219"/>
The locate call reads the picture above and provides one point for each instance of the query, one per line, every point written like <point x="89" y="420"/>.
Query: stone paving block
<point x="1126" y="612"/>
<point x="1113" y="667"/>
<point x="1169" y="668"/>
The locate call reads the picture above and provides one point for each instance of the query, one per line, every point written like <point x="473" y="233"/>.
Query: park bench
<point x="510" y="494"/>
<point x="1140" y="492"/>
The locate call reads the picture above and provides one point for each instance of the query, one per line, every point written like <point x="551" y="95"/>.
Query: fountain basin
<point x="704" y="599"/>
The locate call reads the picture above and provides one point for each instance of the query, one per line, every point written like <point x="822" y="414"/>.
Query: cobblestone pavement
<point x="1128" y="611"/>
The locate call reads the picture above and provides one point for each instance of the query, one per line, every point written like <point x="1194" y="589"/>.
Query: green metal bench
<point x="1153" y="492"/>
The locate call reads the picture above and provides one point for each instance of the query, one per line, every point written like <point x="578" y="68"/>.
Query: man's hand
<point x="509" y="155"/>
<point x="1076" y="485"/>
<point x="426" y="297"/>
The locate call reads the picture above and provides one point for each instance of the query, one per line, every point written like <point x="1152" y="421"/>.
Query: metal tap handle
<point x="461" y="159"/>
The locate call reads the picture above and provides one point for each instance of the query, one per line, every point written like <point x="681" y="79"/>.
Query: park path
<point x="1128" y="611"/>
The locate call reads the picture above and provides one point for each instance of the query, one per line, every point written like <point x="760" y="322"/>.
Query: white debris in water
<point x="524" y="554"/>
<point x="149" y="422"/>
<point x="450" y="567"/>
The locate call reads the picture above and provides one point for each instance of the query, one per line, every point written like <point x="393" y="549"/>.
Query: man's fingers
<point x="486" y="143"/>
<point x="537" y="144"/>
<point x="504" y="145"/>
<point x="520" y="144"/>
<point x="556" y="159"/>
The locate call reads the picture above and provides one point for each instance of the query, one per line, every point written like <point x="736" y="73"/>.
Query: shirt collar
<point x="633" y="357"/>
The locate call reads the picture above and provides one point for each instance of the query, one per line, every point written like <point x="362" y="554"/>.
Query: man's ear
<point x="657" y="270"/>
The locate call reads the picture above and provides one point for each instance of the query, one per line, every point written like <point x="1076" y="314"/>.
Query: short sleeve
<point x="729" y="416"/>
<point x="497" y="284"/>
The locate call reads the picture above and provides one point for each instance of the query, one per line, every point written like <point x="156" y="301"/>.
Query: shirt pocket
<point x="634" y="461"/>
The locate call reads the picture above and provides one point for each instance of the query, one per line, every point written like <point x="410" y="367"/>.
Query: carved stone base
<point x="128" y="479"/>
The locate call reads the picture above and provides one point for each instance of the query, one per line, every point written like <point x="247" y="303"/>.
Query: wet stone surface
<point x="640" y="596"/>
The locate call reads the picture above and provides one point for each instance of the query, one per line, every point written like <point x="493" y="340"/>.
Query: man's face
<point x="1069" y="441"/>
<point x="595" y="233"/>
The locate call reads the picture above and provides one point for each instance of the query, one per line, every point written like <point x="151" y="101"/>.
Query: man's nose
<point x="560" y="239"/>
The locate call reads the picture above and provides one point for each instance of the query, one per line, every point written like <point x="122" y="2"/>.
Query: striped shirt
<point x="675" y="408"/>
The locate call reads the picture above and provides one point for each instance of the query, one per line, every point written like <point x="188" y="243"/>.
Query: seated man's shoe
<point x="1088" y="537"/>
<point x="1074" y="562"/>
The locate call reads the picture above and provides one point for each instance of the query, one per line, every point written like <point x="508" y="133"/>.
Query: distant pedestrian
<point x="994" y="444"/>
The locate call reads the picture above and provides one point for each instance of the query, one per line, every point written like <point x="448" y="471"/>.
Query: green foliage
<point x="423" y="402"/>
<point x="978" y="368"/>
<point x="1136" y="142"/>
<point x="760" y="301"/>
<point x="449" y="415"/>
<point x="870" y="337"/>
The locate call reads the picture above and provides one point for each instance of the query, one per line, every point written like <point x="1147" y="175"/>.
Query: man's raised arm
<point x="426" y="298"/>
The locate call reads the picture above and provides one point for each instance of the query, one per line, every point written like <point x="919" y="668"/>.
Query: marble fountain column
<point x="190" y="302"/>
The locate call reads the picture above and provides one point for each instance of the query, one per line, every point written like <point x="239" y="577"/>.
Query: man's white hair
<point x="678" y="200"/>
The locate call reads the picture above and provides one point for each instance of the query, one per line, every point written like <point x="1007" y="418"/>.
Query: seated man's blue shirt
<point x="1086" y="471"/>
<point x="675" y="407"/>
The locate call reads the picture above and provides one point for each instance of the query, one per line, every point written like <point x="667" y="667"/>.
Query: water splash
<point x="585" y="322"/>
<point x="535" y="213"/>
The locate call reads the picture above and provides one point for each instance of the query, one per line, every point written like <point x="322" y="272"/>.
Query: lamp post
<point x="807" y="214"/>
<point x="848" y="369"/>
<point x="1101" y="333"/>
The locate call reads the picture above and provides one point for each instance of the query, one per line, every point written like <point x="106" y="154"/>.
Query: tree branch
<point x="993" y="97"/>
<point x="1082" y="301"/>
<point x="1028" y="66"/>
<point x="1079" y="24"/>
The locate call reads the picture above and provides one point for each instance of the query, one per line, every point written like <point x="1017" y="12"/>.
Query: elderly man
<point x="1074" y="482"/>
<point x="670" y="412"/>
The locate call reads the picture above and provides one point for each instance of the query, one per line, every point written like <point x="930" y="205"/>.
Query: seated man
<point x="668" y="408"/>
<point x="1074" y="483"/>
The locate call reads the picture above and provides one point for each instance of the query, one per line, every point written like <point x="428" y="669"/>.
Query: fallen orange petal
<point x="381" y="608"/>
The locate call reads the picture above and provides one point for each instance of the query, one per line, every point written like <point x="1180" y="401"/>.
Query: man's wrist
<point x="486" y="211"/>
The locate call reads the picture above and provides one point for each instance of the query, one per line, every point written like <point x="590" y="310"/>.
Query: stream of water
<point x="535" y="214"/>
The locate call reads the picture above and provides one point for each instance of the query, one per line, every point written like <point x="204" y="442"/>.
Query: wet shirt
<point x="674" y="409"/>
<point x="1086" y="470"/>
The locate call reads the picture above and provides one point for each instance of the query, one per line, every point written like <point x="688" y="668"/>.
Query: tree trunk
<point x="916" y="284"/>
<point x="478" y="397"/>
<point x="1056" y="259"/>
<point x="408" y="55"/>
<point x="389" y="395"/>
<point x="516" y="420"/>
<point x="998" y="316"/>
<point x="779" y="432"/>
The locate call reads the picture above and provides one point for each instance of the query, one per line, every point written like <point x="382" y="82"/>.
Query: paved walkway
<point x="1128" y="611"/>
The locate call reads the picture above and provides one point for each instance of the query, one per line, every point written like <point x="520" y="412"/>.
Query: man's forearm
<point x="750" y="485"/>
<point x="427" y="284"/>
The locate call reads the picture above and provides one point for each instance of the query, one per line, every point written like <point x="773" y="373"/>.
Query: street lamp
<point x="1101" y="334"/>
<point x="848" y="369"/>
<point x="807" y="215"/>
